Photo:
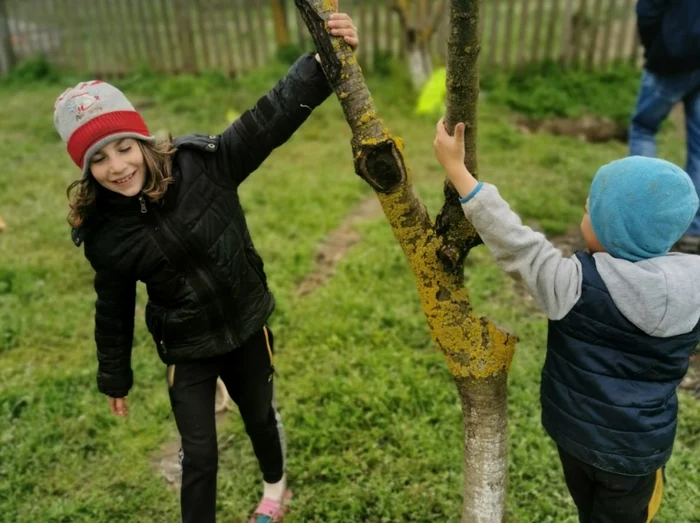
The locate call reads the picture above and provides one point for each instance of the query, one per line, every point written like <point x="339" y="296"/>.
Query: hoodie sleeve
<point x="554" y="281"/>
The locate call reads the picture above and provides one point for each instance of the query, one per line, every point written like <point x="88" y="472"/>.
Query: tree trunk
<point x="478" y="353"/>
<point x="417" y="34"/>
<point x="484" y="402"/>
<point x="279" y="16"/>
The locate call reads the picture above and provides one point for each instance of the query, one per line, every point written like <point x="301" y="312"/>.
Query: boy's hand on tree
<point x="449" y="151"/>
<point x="118" y="406"/>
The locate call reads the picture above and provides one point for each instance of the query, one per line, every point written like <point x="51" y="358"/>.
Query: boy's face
<point x="592" y="243"/>
<point x="119" y="166"/>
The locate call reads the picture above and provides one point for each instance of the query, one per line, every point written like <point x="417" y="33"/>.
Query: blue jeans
<point x="657" y="97"/>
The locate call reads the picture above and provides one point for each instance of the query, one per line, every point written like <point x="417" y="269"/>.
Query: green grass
<point x="372" y="416"/>
<point x="547" y="89"/>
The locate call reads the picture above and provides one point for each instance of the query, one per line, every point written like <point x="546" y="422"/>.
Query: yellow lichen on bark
<point x="484" y="361"/>
<point x="471" y="347"/>
<point x="368" y="116"/>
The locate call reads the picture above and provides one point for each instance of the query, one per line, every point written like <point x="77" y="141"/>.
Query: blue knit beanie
<point x="639" y="207"/>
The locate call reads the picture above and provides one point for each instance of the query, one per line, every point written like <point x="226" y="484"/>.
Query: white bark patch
<point x="419" y="65"/>
<point x="489" y="484"/>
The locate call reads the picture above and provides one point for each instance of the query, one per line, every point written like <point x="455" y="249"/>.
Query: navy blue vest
<point x="608" y="389"/>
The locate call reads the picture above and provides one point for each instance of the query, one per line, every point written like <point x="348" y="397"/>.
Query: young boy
<point x="623" y="321"/>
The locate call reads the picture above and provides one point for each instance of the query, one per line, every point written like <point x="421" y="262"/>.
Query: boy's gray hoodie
<point x="660" y="296"/>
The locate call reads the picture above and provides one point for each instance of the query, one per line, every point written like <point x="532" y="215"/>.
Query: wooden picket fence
<point x="117" y="37"/>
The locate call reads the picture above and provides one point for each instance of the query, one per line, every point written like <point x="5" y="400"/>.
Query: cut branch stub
<point x="381" y="165"/>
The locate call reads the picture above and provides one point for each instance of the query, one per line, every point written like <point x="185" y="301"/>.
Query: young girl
<point x="168" y="214"/>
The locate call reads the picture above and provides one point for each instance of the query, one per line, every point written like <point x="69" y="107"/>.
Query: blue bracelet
<point x="471" y="194"/>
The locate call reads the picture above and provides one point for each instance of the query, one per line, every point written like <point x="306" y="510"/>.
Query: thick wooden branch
<point x="473" y="346"/>
<point x="462" y="97"/>
<point x="279" y="17"/>
<point x="376" y="154"/>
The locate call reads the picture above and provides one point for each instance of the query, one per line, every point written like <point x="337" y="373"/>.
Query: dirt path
<point x="337" y="244"/>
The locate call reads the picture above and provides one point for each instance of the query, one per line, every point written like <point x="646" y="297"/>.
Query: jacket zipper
<point x="142" y="201"/>
<point x="144" y="210"/>
<point x="201" y="272"/>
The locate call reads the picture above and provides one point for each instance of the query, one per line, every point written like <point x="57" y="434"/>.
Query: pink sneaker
<point x="271" y="511"/>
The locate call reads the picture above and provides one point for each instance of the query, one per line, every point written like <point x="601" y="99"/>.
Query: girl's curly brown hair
<point x="82" y="194"/>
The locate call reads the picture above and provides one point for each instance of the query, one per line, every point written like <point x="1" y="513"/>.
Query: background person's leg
<point x="657" y="96"/>
<point x="692" y="123"/>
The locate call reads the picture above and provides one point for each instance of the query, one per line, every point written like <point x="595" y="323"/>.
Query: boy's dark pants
<point x="247" y="373"/>
<point x="604" y="497"/>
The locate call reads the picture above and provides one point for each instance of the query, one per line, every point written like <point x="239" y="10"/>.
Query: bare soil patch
<point x="337" y="244"/>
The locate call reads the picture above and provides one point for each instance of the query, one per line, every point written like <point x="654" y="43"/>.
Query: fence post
<point x="7" y="54"/>
<point x="524" y="13"/>
<point x="281" y="23"/>
<point x="185" y="38"/>
<point x="565" y="53"/>
<point x="493" y="40"/>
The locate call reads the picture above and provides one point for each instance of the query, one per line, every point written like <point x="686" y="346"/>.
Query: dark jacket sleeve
<point x="273" y="120"/>
<point x="650" y="15"/>
<point x="114" y="332"/>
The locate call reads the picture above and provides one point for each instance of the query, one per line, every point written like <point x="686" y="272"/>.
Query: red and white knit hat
<point x="93" y="114"/>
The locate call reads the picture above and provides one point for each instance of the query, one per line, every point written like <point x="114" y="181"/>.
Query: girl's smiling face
<point x="120" y="167"/>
